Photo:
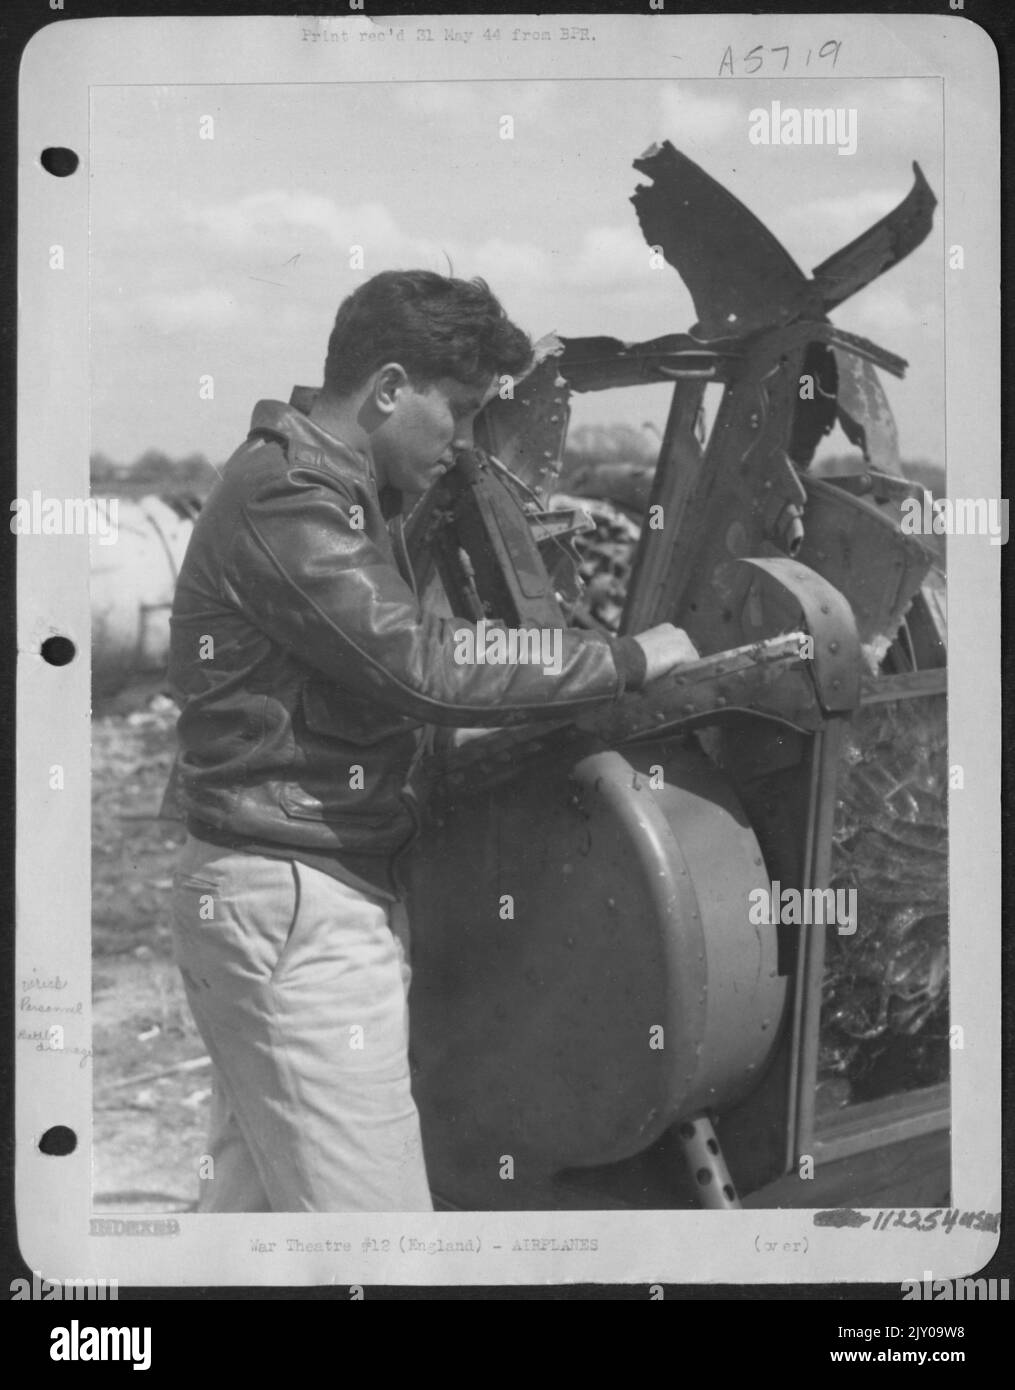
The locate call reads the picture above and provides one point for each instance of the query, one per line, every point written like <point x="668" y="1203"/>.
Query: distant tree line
<point x="153" y="472"/>
<point x="590" y="451"/>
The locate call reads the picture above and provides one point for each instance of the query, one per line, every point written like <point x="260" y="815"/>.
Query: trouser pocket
<point x="235" y="918"/>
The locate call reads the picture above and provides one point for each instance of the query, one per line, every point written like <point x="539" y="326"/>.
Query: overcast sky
<point x="229" y="256"/>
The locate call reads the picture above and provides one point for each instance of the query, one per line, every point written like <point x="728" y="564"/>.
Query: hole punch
<point x="59" y="161"/>
<point x="58" y="1141"/>
<point x="58" y="651"/>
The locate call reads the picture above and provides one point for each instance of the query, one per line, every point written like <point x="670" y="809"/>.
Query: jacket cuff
<point x="632" y="664"/>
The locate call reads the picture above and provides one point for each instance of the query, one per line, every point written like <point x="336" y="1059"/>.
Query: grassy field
<point x="150" y="1105"/>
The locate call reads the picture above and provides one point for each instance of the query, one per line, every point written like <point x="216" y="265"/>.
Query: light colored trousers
<point x="298" y="987"/>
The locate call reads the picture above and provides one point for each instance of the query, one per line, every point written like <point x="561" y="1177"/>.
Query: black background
<point x="762" y="1330"/>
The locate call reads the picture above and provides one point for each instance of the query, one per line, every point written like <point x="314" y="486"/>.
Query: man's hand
<point x="665" y="647"/>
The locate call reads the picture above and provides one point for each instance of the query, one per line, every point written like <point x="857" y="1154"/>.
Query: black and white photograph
<point x="517" y="555"/>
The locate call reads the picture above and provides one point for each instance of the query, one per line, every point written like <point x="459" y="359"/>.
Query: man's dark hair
<point x="433" y="325"/>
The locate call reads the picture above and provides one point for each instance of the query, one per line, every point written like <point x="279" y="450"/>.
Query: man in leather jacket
<point x="307" y="673"/>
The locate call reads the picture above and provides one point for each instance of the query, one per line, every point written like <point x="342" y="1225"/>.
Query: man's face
<point x="417" y="441"/>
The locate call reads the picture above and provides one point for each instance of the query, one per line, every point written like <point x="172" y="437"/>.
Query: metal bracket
<point x="828" y="619"/>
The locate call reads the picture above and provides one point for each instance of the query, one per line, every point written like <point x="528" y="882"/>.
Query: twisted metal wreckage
<point x="591" y="999"/>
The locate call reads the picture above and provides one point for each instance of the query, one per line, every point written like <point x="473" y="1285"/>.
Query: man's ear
<point x="389" y="380"/>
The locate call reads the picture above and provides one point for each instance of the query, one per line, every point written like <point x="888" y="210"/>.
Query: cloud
<point x="604" y="256"/>
<point x="297" y="241"/>
<point x="193" y="310"/>
<point x="885" y="312"/>
<point x="502" y="261"/>
<point x="610" y="256"/>
<point x="276" y="218"/>
<point x="894" y="99"/>
<point x="859" y="209"/>
<point x="691" y="118"/>
<point x="813" y="230"/>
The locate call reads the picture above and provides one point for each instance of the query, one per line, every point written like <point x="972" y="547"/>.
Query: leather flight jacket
<point x="304" y="666"/>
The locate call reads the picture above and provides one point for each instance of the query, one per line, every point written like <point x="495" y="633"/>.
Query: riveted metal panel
<point x="533" y="1033"/>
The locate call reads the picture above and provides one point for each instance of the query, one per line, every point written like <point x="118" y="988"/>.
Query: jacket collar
<point x="292" y="427"/>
